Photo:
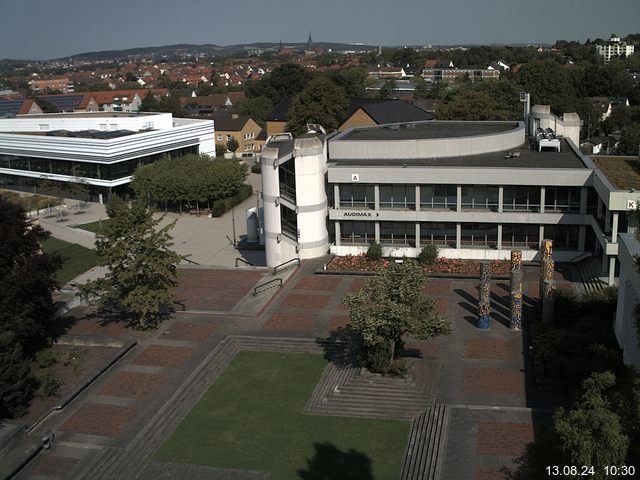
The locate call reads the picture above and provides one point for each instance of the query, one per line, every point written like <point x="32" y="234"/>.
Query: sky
<point x="36" y="30"/>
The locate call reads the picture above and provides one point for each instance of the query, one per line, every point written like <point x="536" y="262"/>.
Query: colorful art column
<point x="484" y="297"/>
<point x="546" y="265"/>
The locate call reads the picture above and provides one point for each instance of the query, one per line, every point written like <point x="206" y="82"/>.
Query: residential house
<point x="209" y="104"/>
<point x="607" y="104"/>
<point x="364" y="112"/>
<point x="19" y="106"/>
<point x="62" y="84"/>
<point x="387" y="72"/>
<point x="277" y="117"/>
<point x="73" y="102"/>
<point x="243" y="128"/>
<point x="614" y="48"/>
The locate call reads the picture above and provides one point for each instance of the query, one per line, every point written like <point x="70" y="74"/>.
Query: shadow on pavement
<point x="331" y="462"/>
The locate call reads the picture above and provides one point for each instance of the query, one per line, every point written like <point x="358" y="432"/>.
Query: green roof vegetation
<point x="622" y="172"/>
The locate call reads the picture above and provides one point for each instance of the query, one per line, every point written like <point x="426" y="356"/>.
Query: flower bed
<point x="359" y="263"/>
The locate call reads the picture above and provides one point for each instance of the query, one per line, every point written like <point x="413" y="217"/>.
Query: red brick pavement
<point x="99" y="419"/>
<point x="208" y="289"/>
<point x="442" y="305"/>
<point x="326" y="284"/>
<point x="291" y="321"/>
<point x="53" y="465"/>
<point x="357" y="284"/>
<point x="337" y="322"/>
<point x="483" y="473"/>
<point x="139" y="386"/>
<point x="494" y="381"/>
<point x="503" y="438"/>
<point x="493" y="348"/>
<point x="428" y="349"/>
<point x="187" y="331"/>
<point x="297" y="300"/>
<point x="161" y="356"/>
<point x="437" y="286"/>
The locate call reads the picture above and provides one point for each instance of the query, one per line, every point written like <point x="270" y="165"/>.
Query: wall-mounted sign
<point x="632" y="204"/>
<point x="360" y="214"/>
<point x="355" y="177"/>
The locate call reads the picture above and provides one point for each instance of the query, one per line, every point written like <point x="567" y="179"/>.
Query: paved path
<point x="491" y="403"/>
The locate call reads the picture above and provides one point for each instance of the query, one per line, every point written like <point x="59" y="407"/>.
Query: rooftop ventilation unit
<point x="280" y="137"/>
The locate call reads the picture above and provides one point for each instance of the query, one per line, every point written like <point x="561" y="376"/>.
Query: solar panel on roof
<point x="10" y="106"/>
<point x="66" y="102"/>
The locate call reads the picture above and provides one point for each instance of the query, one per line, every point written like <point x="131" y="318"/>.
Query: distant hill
<point x="207" y="49"/>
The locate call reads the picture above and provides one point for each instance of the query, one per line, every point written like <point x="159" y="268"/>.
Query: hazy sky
<point x="31" y="29"/>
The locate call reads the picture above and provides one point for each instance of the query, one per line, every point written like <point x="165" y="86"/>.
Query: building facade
<point x="100" y="150"/>
<point x="614" y="48"/>
<point x="476" y="190"/>
<point x="626" y="326"/>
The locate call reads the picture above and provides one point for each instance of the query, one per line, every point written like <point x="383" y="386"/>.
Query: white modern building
<point x="626" y="326"/>
<point x="100" y="149"/>
<point x="614" y="48"/>
<point x="477" y="190"/>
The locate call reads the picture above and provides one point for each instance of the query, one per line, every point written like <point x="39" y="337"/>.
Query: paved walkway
<point x="484" y="376"/>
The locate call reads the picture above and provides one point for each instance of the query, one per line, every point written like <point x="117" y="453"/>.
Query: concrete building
<point x="614" y="48"/>
<point x="625" y="326"/>
<point x="241" y="127"/>
<point x="477" y="190"/>
<point x="62" y="84"/>
<point x="101" y="150"/>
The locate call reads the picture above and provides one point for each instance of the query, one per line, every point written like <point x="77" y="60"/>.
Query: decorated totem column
<point x="484" y="297"/>
<point x="546" y="265"/>
<point x="515" y="321"/>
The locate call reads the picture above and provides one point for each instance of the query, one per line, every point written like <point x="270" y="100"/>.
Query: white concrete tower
<point x="310" y="154"/>
<point x="271" y="203"/>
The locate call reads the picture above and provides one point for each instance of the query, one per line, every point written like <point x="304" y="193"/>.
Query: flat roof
<point x="427" y="130"/>
<point x="95" y="134"/>
<point x="527" y="158"/>
<point x="88" y="115"/>
<point x="622" y="172"/>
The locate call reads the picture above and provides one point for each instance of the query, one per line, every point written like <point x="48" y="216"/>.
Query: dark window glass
<point x="357" y="233"/>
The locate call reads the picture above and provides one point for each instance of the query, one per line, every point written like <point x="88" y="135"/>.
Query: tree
<point x="232" y="144"/>
<point x="388" y="88"/>
<point x="26" y="278"/>
<point x="482" y="100"/>
<point x="17" y="384"/>
<point x="391" y="305"/>
<point x="630" y="140"/>
<point x="257" y="108"/>
<point x="591" y="434"/>
<point x="320" y="102"/>
<point x="141" y="264"/>
<point x="549" y="84"/>
<point x="149" y="103"/>
<point x="285" y="80"/>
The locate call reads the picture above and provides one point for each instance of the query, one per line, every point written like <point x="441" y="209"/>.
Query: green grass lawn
<point x="94" y="226"/>
<point x="251" y="419"/>
<point x="77" y="259"/>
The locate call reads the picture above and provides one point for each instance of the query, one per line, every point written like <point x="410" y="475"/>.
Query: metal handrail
<point x="275" y="269"/>
<point x="238" y="259"/>
<point x="191" y="261"/>
<point x="279" y="280"/>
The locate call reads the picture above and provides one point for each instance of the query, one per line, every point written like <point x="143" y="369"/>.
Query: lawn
<point x="94" y="226"/>
<point x="77" y="259"/>
<point x="251" y="419"/>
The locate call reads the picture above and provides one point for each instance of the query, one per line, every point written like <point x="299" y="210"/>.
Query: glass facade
<point x="398" y="196"/>
<point x="521" y="198"/>
<point x="482" y="235"/>
<point x="289" y="222"/>
<point x="103" y="171"/>
<point x="287" y="177"/>
<point x="565" y="237"/>
<point x="443" y="197"/>
<point x="480" y="197"/>
<point x="359" y="196"/>
<point x="440" y="234"/>
<point x="399" y="234"/>
<point x="520" y="236"/>
<point x="562" y="199"/>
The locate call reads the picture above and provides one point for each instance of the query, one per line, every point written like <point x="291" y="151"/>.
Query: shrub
<point x="428" y="255"/>
<point x="223" y="205"/>
<point x="49" y="385"/>
<point x="374" y="252"/>
<point x="375" y="358"/>
<point x="256" y="167"/>
<point x="45" y="358"/>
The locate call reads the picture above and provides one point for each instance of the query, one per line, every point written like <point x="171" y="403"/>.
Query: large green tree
<point x="141" y="265"/>
<point x="482" y="100"/>
<point x="17" y="384"/>
<point x="320" y="102"/>
<point x="549" y="83"/>
<point x="257" y="108"/>
<point x="630" y="140"/>
<point x="285" y="80"/>
<point x="27" y="278"/>
<point x="392" y="304"/>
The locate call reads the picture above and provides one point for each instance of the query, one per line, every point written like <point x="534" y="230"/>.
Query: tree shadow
<point x="341" y="347"/>
<point x="331" y="463"/>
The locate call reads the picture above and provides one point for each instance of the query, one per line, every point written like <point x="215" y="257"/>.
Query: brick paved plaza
<point x="482" y="375"/>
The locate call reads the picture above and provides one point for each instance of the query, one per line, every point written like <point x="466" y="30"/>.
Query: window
<point x="103" y="126"/>
<point x="401" y="234"/>
<point x="357" y="233"/>
<point x="438" y="197"/>
<point x="479" y="235"/>
<point x="565" y="237"/>
<point x="358" y="196"/>
<point x="219" y="137"/>
<point x="289" y="222"/>
<point x="43" y="127"/>
<point x="521" y="198"/>
<point x="520" y="236"/>
<point x="398" y="196"/>
<point x="562" y="199"/>
<point x="479" y="197"/>
<point x="287" y="177"/>
<point x="440" y="234"/>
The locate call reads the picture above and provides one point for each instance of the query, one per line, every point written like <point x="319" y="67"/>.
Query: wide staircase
<point x="586" y="275"/>
<point x="427" y="444"/>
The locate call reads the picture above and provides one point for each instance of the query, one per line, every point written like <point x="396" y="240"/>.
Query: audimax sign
<point x="360" y="214"/>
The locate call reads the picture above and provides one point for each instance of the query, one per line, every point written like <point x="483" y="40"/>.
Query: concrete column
<point x="543" y="191"/>
<point x="499" y="237"/>
<point x="500" y="199"/>
<point x="417" y="234"/>
<point x="583" y="200"/>
<point x="582" y="234"/>
<point x="603" y="268"/>
<point x="336" y="196"/>
<point x="417" y="198"/>
<point x="540" y="235"/>
<point x="458" y="236"/>
<point x="377" y="231"/>
<point x="607" y="221"/>
<point x="612" y="270"/>
<point x="376" y="197"/>
<point x="614" y="228"/>
<point x="337" y="231"/>
<point x="458" y="198"/>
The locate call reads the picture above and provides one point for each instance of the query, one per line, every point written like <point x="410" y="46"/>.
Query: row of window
<point x="111" y="171"/>
<point x="471" y="234"/>
<point x="474" y="197"/>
